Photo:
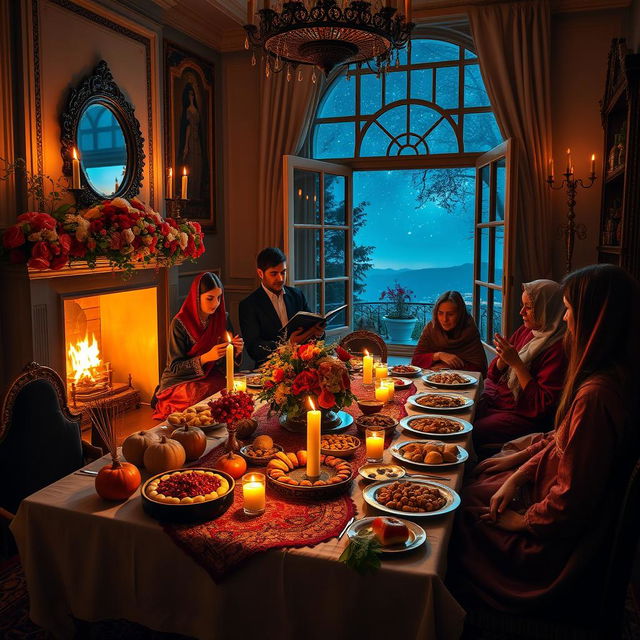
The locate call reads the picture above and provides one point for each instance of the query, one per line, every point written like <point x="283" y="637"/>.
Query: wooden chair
<point x="357" y="341"/>
<point x="40" y="439"/>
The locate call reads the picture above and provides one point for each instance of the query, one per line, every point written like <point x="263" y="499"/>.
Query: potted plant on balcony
<point x="400" y="321"/>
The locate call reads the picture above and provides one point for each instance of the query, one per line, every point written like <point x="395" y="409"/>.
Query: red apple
<point x="389" y="531"/>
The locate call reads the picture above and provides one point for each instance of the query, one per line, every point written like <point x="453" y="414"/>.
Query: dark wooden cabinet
<point x="620" y="213"/>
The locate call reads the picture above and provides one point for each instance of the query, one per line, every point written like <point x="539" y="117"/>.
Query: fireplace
<point x="113" y="327"/>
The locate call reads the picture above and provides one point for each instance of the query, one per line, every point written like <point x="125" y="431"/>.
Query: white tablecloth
<point x="95" y="560"/>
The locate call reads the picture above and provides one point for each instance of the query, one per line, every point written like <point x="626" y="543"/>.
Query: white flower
<point x="184" y="239"/>
<point x="121" y="203"/>
<point x="128" y="236"/>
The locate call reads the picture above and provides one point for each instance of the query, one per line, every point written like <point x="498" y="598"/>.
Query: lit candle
<point x="390" y="383"/>
<point x="253" y="494"/>
<point x="75" y="178"/>
<point x="375" y="444"/>
<point x="170" y="184"/>
<point x="230" y="363"/>
<point x="382" y="371"/>
<point x="250" y="11"/>
<point x="551" y="169"/>
<point x="313" y="441"/>
<point x="569" y="168"/>
<point x="367" y="368"/>
<point x="382" y="392"/>
<point x="240" y="384"/>
<point x="593" y="165"/>
<point x="185" y="183"/>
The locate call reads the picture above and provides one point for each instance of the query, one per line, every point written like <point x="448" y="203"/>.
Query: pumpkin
<point x="233" y="464"/>
<point x="164" y="455"/>
<point x="117" y="481"/>
<point x="134" y="446"/>
<point x="192" y="439"/>
<point x="245" y="427"/>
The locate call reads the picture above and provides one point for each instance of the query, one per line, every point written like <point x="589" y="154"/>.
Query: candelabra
<point x="570" y="229"/>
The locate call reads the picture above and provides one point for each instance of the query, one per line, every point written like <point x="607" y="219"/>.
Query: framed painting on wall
<point x="189" y="131"/>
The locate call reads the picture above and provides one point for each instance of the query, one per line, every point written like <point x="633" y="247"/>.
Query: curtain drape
<point x="286" y="113"/>
<point x="513" y="45"/>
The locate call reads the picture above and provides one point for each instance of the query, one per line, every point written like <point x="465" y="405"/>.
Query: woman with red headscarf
<point x="533" y="537"/>
<point x="197" y="346"/>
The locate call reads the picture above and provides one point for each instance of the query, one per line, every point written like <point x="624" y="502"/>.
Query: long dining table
<point x="90" y="559"/>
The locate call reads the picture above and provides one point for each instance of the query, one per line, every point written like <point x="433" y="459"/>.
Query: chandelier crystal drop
<point x="327" y="34"/>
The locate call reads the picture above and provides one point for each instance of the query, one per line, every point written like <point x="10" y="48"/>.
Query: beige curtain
<point x="286" y="112"/>
<point x="513" y="44"/>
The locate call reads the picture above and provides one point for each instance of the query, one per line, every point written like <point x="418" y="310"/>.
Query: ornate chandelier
<point x="327" y="34"/>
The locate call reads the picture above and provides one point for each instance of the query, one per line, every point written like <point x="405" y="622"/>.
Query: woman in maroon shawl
<point x="529" y="539"/>
<point x="451" y="340"/>
<point x="197" y="346"/>
<point x="524" y="381"/>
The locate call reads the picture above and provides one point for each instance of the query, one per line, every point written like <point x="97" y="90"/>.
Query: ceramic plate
<point x="413" y="401"/>
<point x="396" y="452"/>
<point x="405" y="423"/>
<point x="405" y="370"/>
<point x="372" y="471"/>
<point x="253" y="382"/>
<point x="451" y="497"/>
<point x="402" y="383"/>
<point x="417" y="535"/>
<point x="469" y="380"/>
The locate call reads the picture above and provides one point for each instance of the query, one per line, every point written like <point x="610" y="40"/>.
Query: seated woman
<point x="532" y="538"/>
<point x="524" y="381"/>
<point x="451" y="340"/>
<point x="197" y="345"/>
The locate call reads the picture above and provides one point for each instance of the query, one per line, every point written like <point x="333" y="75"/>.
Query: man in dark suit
<point x="264" y="312"/>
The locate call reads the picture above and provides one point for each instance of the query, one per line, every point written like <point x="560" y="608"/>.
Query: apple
<point x="389" y="531"/>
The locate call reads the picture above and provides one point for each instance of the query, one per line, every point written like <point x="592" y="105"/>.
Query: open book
<point x="305" y="320"/>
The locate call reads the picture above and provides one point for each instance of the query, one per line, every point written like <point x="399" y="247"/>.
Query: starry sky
<point x="407" y="237"/>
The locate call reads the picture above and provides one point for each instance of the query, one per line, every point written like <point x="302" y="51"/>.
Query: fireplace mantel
<point x="82" y="269"/>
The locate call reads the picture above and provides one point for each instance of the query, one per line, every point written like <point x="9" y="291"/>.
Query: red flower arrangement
<point x="231" y="406"/>
<point x="400" y="298"/>
<point x="123" y="232"/>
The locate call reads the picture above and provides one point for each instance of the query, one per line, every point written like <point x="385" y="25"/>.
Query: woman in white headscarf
<point x="524" y="381"/>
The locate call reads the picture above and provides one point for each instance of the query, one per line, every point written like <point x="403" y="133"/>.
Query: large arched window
<point x="433" y="102"/>
<point x="411" y="139"/>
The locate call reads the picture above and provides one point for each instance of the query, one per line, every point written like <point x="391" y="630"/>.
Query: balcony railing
<point x="368" y="315"/>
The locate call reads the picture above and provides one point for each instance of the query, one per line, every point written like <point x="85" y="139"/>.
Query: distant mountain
<point x="426" y="284"/>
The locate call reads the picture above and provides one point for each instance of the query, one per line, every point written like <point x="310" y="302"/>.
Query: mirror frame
<point x="100" y="88"/>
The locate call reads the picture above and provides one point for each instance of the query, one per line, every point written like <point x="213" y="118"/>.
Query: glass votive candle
<point x="253" y="493"/>
<point x="382" y="370"/>
<point x="381" y="390"/>
<point x="375" y="444"/>
<point x="390" y="383"/>
<point x="239" y="383"/>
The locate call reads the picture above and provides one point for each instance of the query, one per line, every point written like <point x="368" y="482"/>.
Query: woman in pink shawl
<point x="197" y="343"/>
<point x="533" y="538"/>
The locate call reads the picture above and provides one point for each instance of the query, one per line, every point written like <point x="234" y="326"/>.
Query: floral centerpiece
<point x="295" y="373"/>
<point x="399" y="320"/>
<point x="124" y="232"/>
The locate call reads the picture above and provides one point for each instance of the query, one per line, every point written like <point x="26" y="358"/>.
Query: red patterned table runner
<point x="222" y="544"/>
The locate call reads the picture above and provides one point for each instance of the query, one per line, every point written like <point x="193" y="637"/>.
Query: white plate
<point x="396" y="452"/>
<point x="253" y="385"/>
<point x="403" y="383"/>
<point x="452" y="503"/>
<point x="372" y="467"/>
<point x="417" y="535"/>
<point x="412" y="400"/>
<point x="416" y="371"/>
<point x="405" y="423"/>
<point x="445" y="385"/>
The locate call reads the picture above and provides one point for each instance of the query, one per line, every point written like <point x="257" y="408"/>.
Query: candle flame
<point x="593" y="157"/>
<point x="300" y="193"/>
<point x="170" y="172"/>
<point x="366" y="353"/>
<point x="184" y="171"/>
<point x="310" y="401"/>
<point x="75" y="154"/>
<point x="568" y="151"/>
<point x="228" y="337"/>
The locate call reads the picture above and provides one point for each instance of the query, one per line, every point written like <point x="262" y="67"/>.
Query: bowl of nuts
<point x="339" y="445"/>
<point x="260" y="451"/>
<point x="378" y="420"/>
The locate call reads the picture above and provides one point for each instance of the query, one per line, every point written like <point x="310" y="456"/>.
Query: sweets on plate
<point x="435" y="425"/>
<point x="187" y="487"/>
<point x="411" y="497"/>
<point x="440" y="401"/>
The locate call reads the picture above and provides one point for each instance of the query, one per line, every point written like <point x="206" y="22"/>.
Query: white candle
<point x="313" y="442"/>
<point x="230" y="363"/>
<point x="569" y="167"/>
<point x="185" y="183"/>
<point x="593" y="164"/>
<point x="375" y="444"/>
<point x="551" y="169"/>
<point x="382" y="371"/>
<point x="253" y="493"/>
<point x="75" y="178"/>
<point x="170" y="184"/>
<point x="367" y="368"/>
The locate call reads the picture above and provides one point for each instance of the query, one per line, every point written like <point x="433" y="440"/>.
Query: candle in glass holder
<point x="239" y="383"/>
<point x="313" y="441"/>
<point x="390" y="383"/>
<point x="253" y="493"/>
<point x="382" y="370"/>
<point x="367" y="368"/>
<point x="381" y="390"/>
<point x="375" y="444"/>
<point x="230" y="363"/>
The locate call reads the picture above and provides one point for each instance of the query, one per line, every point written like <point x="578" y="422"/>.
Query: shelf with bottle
<point x="611" y="227"/>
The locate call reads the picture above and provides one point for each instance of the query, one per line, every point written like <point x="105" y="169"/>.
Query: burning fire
<point x="85" y="360"/>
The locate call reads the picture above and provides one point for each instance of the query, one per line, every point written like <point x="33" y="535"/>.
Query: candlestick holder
<point x="176" y="207"/>
<point x="570" y="229"/>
